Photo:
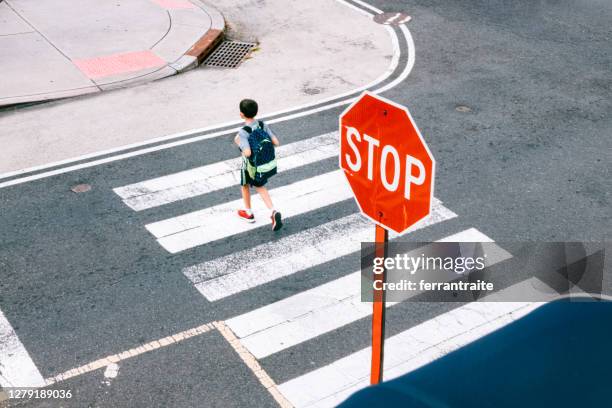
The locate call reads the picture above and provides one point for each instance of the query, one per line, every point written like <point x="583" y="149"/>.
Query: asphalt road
<point x="81" y="277"/>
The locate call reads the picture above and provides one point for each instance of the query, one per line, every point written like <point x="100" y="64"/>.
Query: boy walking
<point x="256" y="142"/>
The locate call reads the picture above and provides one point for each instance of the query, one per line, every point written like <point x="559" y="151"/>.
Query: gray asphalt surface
<point x="80" y="277"/>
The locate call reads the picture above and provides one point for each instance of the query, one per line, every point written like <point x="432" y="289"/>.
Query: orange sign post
<point x="391" y="172"/>
<point x="378" y="315"/>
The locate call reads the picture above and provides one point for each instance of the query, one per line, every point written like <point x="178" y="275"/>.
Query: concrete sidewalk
<point x="57" y="48"/>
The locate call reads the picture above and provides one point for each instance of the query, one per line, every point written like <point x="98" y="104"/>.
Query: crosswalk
<point x="309" y="315"/>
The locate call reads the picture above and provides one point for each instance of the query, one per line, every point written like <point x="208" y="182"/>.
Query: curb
<point x="204" y="46"/>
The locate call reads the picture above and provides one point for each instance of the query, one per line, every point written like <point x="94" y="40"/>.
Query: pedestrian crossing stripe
<point x="16" y="366"/>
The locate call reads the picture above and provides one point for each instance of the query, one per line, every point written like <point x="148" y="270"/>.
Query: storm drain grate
<point x="229" y="54"/>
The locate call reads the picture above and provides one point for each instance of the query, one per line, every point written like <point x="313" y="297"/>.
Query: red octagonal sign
<point x="387" y="162"/>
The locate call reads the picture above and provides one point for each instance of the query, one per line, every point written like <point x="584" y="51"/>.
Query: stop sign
<point x="386" y="161"/>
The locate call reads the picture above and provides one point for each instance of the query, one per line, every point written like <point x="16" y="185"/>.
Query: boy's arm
<point x="273" y="137"/>
<point x="246" y="151"/>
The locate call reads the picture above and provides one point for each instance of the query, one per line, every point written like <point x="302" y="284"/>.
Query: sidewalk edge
<point x="204" y="46"/>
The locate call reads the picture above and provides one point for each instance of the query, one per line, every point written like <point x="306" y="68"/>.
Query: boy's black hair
<point x="249" y="108"/>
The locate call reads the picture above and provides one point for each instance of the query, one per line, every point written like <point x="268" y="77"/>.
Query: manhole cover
<point x="80" y="188"/>
<point x="463" y="109"/>
<point x="392" y="18"/>
<point x="229" y="54"/>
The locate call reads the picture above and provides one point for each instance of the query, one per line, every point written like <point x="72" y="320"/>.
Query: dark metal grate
<point x="229" y="54"/>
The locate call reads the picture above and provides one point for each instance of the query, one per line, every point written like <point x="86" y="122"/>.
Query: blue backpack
<point x="262" y="162"/>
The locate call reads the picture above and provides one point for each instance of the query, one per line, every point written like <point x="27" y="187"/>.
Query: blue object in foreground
<point x="559" y="355"/>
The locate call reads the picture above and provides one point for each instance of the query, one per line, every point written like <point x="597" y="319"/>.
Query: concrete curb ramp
<point x="60" y="48"/>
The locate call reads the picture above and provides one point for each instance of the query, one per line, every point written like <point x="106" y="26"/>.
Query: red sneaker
<point x="245" y="216"/>
<point x="277" y="222"/>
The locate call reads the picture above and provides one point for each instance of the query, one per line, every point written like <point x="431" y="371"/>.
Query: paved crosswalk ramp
<point x="331" y="308"/>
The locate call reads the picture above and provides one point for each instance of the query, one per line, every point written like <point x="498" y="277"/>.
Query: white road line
<point x="405" y="20"/>
<point x="304" y="316"/>
<point x="16" y="366"/>
<point x="221" y="221"/>
<point x="368" y="6"/>
<point x="225" y="276"/>
<point x="201" y="180"/>
<point x="469" y="235"/>
<point x="409" y="66"/>
<point x="395" y="17"/>
<point x="110" y="373"/>
<point x="287" y="112"/>
<point x="404" y="352"/>
<point x="294" y="320"/>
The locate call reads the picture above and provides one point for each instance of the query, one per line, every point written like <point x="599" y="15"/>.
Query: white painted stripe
<point x="404" y="352"/>
<point x="274" y="329"/>
<point x="296" y="306"/>
<point x="16" y="366"/>
<point x="201" y="180"/>
<point x="225" y="276"/>
<point x="409" y="65"/>
<point x="114" y="158"/>
<point x="405" y="20"/>
<point x="469" y="235"/>
<point x="395" y="17"/>
<point x="304" y="316"/>
<point x="221" y="221"/>
<point x="288" y="116"/>
<point x="368" y="6"/>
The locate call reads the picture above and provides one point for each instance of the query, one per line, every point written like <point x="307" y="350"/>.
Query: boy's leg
<point x="246" y="214"/>
<point x="265" y="196"/>
<point x="246" y="196"/>
<point x="277" y="222"/>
